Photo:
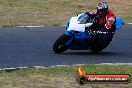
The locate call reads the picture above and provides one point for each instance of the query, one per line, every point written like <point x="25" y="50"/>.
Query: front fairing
<point x="79" y="23"/>
<point x="77" y="34"/>
<point x="81" y="40"/>
<point x="76" y="28"/>
<point x="74" y="25"/>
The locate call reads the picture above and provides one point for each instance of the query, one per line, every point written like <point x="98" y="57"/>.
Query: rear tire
<point x="60" y="44"/>
<point x="97" y="46"/>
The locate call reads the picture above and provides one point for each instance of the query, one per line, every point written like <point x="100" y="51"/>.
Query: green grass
<point x="60" y="77"/>
<point x="53" y="12"/>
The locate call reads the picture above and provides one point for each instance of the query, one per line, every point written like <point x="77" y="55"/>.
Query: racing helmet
<point x="102" y="8"/>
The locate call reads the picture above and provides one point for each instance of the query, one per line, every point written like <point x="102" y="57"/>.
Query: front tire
<point x="60" y="44"/>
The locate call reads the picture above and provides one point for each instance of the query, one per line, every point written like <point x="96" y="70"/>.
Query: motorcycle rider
<point x="106" y="20"/>
<point x="105" y="16"/>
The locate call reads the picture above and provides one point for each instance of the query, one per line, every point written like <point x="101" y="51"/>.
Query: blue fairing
<point x="78" y="34"/>
<point x="105" y="37"/>
<point x="82" y="35"/>
<point x="119" y="22"/>
<point x="80" y="38"/>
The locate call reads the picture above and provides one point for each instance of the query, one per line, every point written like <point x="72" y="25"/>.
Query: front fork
<point x="68" y="43"/>
<point x="71" y="35"/>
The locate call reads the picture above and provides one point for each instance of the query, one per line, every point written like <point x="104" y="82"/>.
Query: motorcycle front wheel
<point x="60" y="44"/>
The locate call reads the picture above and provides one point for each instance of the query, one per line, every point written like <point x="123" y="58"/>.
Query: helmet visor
<point x="102" y="11"/>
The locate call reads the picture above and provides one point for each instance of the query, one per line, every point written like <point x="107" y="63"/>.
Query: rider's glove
<point x="93" y="33"/>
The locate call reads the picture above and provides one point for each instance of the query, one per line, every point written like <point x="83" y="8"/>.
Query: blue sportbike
<point x="83" y="33"/>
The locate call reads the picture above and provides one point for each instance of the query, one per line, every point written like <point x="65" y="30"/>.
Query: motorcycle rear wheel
<point x="95" y="48"/>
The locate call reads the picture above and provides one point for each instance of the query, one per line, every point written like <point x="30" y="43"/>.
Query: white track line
<point x="45" y="67"/>
<point x="44" y="26"/>
<point x="116" y="63"/>
<point x="129" y="23"/>
<point x="36" y="26"/>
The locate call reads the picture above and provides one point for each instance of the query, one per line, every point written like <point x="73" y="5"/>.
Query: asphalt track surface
<point x="33" y="47"/>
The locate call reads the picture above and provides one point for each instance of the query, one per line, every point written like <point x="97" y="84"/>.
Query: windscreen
<point x="84" y="18"/>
